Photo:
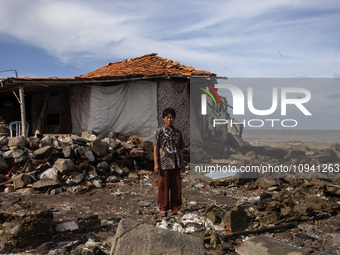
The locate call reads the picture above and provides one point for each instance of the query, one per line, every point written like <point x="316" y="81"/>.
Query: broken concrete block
<point x="17" y="141"/>
<point x="88" y="153"/>
<point x="126" y="170"/>
<point x="135" y="238"/>
<point x="20" y="159"/>
<point x="133" y="176"/>
<point x="64" y="166"/>
<point x="116" y="169"/>
<point x="68" y="152"/>
<point x="78" y="140"/>
<point x="21" y="181"/>
<point x="45" y="183"/>
<point x="43" y="152"/>
<point x="112" y="178"/>
<point x="46" y="140"/>
<point x="97" y="183"/>
<point x="113" y="143"/>
<point x="236" y="219"/>
<point x="92" y="171"/>
<point x="99" y="148"/>
<point x="3" y="140"/>
<point x="76" y="177"/>
<point x="16" y="153"/>
<point x="89" y="136"/>
<point x="267" y="246"/>
<point x="215" y="219"/>
<point x="333" y="156"/>
<point x="103" y="167"/>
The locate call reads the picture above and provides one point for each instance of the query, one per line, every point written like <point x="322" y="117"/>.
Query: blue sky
<point x="233" y="38"/>
<point x="66" y="38"/>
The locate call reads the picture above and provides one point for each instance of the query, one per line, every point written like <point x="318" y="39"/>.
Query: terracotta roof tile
<point x="147" y="65"/>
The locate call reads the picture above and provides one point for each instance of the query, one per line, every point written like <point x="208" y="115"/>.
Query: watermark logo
<point x="204" y="98"/>
<point x="239" y="99"/>
<point x="282" y="101"/>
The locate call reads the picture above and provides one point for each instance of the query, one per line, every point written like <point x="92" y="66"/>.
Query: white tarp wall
<point x="129" y="108"/>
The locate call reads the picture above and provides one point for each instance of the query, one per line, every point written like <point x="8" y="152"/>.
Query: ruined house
<point x="126" y="96"/>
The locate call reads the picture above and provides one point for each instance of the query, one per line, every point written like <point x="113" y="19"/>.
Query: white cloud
<point x="231" y="38"/>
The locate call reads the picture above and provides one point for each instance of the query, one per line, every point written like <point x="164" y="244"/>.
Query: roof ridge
<point x="146" y="65"/>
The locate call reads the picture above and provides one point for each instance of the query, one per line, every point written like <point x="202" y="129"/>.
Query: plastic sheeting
<point x="127" y="108"/>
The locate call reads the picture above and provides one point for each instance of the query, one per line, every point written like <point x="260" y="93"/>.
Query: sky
<point x="232" y="38"/>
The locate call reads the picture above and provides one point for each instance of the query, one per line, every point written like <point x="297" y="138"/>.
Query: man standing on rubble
<point x="168" y="159"/>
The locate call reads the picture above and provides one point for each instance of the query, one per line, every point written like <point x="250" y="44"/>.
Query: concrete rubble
<point x="67" y="194"/>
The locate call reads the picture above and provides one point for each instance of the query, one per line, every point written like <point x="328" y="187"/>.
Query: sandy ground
<point x="138" y="201"/>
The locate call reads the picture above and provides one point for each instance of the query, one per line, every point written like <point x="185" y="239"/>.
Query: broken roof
<point x="144" y="66"/>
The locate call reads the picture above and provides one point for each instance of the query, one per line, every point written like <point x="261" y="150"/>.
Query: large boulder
<point x="143" y="239"/>
<point x="266" y="245"/>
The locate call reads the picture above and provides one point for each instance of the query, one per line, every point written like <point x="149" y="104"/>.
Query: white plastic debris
<point x="162" y="224"/>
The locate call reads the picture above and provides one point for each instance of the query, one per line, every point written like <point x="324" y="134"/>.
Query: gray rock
<point x="266" y="245"/>
<point x="16" y="153"/>
<point x="103" y="166"/>
<point x="3" y="140"/>
<point x="76" y="177"/>
<point x="18" y="141"/>
<point x="142" y="239"/>
<point x="88" y="153"/>
<point x="97" y="183"/>
<point x="78" y="139"/>
<point x="46" y="140"/>
<point x="236" y="219"/>
<point x="112" y="178"/>
<point x="20" y="159"/>
<point x="45" y="183"/>
<point x="27" y="191"/>
<point x="99" y="148"/>
<point x="116" y="169"/>
<point x="114" y="143"/>
<point x="89" y="136"/>
<point x="21" y="181"/>
<point x="42" y="152"/>
<point x="68" y="152"/>
<point x="64" y="166"/>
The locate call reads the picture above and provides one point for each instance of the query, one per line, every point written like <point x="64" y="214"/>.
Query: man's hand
<point x="156" y="168"/>
<point x="155" y="158"/>
<point x="183" y="167"/>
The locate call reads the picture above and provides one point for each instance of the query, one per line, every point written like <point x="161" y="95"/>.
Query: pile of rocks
<point x="71" y="163"/>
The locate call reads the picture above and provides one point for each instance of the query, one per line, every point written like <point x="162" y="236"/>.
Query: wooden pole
<point x="22" y="111"/>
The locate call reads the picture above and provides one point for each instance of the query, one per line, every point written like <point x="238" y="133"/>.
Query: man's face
<point x="169" y="120"/>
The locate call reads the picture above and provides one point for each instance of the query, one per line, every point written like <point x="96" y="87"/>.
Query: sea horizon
<point x="280" y="135"/>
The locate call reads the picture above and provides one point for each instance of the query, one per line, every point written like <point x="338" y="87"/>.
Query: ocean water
<point x="256" y="137"/>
